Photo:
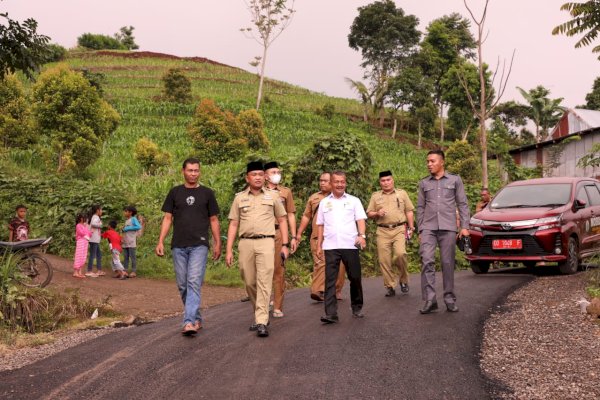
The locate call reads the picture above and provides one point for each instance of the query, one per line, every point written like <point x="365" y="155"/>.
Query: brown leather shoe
<point x="132" y="275"/>
<point x="189" y="329"/>
<point x="316" y="297"/>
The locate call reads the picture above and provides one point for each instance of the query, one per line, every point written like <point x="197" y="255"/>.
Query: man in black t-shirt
<point x="192" y="209"/>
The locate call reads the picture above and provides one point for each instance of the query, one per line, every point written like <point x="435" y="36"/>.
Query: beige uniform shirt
<point x="310" y="211"/>
<point x="396" y="204"/>
<point x="286" y="198"/>
<point x="257" y="214"/>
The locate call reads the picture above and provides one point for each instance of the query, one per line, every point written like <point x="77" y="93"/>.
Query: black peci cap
<point x="385" y="173"/>
<point x="272" y="164"/>
<point x="254" y="166"/>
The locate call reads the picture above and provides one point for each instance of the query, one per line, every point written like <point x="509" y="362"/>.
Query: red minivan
<point x="553" y="220"/>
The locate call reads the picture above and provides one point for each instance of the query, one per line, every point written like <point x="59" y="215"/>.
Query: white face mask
<point x="275" y="179"/>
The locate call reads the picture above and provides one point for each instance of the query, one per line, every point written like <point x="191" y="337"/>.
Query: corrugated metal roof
<point x="591" y="118"/>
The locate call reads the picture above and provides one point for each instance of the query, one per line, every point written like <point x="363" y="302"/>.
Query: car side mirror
<point x="578" y="204"/>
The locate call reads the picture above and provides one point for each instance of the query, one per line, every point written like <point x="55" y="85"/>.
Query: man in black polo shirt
<point x="191" y="208"/>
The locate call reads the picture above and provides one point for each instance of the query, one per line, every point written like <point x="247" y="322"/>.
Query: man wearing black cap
<point x="256" y="211"/>
<point x="273" y="178"/>
<point x="392" y="210"/>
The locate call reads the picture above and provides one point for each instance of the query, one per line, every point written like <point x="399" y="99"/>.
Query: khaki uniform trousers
<point x="278" y="274"/>
<point x="256" y="269"/>
<point x="318" y="276"/>
<point x="391" y="252"/>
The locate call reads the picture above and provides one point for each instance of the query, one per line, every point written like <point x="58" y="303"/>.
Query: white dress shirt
<point x="338" y="217"/>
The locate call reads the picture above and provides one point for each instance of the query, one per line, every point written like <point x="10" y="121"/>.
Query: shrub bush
<point x="462" y="159"/>
<point x="343" y="151"/>
<point x="55" y="53"/>
<point x="150" y="157"/>
<point x="176" y="86"/>
<point x="251" y="127"/>
<point x="94" y="41"/>
<point x="73" y="118"/>
<point x="215" y="134"/>
<point x="327" y="111"/>
<point x="15" y="115"/>
<point x="96" y="79"/>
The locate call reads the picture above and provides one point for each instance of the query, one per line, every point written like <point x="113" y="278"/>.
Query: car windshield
<point x="545" y="195"/>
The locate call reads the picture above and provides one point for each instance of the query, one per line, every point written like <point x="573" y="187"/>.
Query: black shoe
<point x="390" y="292"/>
<point x="316" y="296"/>
<point x="244" y="299"/>
<point x="452" y="307"/>
<point x="358" y="314"/>
<point x="429" y="307"/>
<point x="261" y="330"/>
<point x="330" y="319"/>
<point x="404" y="287"/>
<point x="254" y="327"/>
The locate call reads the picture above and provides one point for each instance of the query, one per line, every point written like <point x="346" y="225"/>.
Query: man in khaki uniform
<point x="273" y="178"/>
<point x="255" y="211"/>
<point x="392" y="210"/>
<point x="317" y="288"/>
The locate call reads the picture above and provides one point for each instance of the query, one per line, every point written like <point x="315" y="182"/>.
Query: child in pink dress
<point x="82" y="237"/>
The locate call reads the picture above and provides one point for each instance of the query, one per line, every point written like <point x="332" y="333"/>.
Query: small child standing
<point x="18" y="227"/>
<point x="130" y="232"/>
<point x="114" y="241"/>
<point x="95" y="226"/>
<point x="82" y="237"/>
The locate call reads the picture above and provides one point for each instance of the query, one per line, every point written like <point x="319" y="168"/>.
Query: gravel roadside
<point x="539" y="345"/>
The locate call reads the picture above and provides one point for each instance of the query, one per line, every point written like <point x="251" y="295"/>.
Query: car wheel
<point x="480" y="267"/>
<point x="571" y="264"/>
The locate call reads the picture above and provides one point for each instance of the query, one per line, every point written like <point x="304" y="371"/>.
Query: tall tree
<point x="447" y="40"/>
<point x="586" y="21"/>
<point x="593" y="97"/>
<point x="21" y="47"/>
<point x="269" y="19"/>
<point x="543" y="111"/>
<point x="486" y="104"/>
<point x="386" y="37"/>
<point x="125" y="36"/>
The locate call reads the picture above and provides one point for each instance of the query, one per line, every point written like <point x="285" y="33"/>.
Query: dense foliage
<point x="150" y="156"/>
<point x="462" y="159"/>
<point x="21" y="47"/>
<point x="95" y="41"/>
<point x="16" y="128"/>
<point x="176" y="86"/>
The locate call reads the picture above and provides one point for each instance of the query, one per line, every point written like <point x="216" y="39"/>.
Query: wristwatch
<point x="284" y="245"/>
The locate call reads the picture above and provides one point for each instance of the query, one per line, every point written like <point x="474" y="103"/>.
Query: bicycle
<point x="35" y="270"/>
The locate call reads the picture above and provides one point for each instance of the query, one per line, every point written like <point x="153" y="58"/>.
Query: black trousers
<point x="351" y="260"/>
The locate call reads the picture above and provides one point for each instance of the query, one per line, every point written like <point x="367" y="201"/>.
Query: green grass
<point x="133" y="87"/>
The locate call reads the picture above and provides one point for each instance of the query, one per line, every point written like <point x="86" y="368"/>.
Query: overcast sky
<point x="313" y="52"/>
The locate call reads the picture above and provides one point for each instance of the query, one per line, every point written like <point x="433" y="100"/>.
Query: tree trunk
<point x="420" y="135"/>
<point x="482" y="115"/>
<point x="466" y="132"/>
<point x="441" y="121"/>
<point x="394" y="127"/>
<point x="381" y="117"/>
<point x="365" y="112"/>
<point x="262" y="77"/>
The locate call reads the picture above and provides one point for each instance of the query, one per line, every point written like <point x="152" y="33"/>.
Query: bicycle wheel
<point x="36" y="270"/>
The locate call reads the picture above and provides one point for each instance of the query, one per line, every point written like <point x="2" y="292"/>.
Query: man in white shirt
<point x="341" y="222"/>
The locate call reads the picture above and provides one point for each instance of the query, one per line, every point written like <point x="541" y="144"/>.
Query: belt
<point x="257" y="237"/>
<point x="391" y="225"/>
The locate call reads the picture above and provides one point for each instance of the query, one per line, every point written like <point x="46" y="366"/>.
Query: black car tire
<point x="480" y="267"/>
<point x="571" y="264"/>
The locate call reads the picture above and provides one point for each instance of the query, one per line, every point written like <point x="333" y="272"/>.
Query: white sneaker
<point x="91" y="274"/>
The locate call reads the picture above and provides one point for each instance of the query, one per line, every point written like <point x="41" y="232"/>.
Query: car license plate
<point x="507" y="244"/>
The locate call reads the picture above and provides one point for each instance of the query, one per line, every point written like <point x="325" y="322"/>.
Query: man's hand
<point x="320" y="253"/>
<point x="294" y="245"/>
<point x="160" y="249"/>
<point x="216" y="252"/>
<point x="361" y="242"/>
<point x="285" y="252"/>
<point x="229" y="259"/>
<point x="464" y="232"/>
<point x="381" y="213"/>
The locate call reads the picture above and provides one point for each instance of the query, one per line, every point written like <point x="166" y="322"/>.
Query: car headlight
<point x="548" y="222"/>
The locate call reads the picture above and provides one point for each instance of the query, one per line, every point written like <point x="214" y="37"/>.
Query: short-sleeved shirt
<point x="438" y="201"/>
<point x="286" y="198"/>
<point x="396" y="204"/>
<point x="19" y="228"/>
<point x="338" y="217"/>
<point x="114" y="239"/>
<point x="191" y="209"/>
<point x="95" y="228"/>
<point x="310" y="211"/>
<point x="257" y="214"/>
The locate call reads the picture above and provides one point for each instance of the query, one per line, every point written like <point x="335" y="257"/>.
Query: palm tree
<point x="586" y="21"/>
<point x="543" y="111"/>
<point x="365" y="96"/>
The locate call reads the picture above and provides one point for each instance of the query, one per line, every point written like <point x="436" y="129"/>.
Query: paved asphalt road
<point x="393" y="353"/>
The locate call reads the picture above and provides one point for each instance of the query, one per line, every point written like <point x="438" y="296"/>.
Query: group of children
<point x="88" y="234"/>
